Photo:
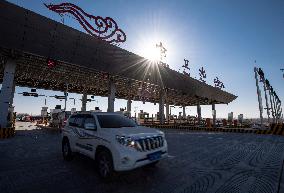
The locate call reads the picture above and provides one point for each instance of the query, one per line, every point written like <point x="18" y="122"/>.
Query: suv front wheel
<point x="104" y="164"/>
<point x="66" y="150"/>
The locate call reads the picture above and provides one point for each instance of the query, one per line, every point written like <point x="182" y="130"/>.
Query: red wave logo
<point x="103" y="28"/>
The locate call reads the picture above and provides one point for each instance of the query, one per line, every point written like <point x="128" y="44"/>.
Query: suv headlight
<point x="162" y="134"/>
<point x="128" y="141"/>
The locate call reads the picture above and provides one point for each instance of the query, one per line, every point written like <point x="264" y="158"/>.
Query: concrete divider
<point x="48" y="128"/>
<point x="275" y="129"/>
<point x="7" y="132"/>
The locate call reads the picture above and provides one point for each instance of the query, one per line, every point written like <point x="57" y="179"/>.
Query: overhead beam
<point x="70" y="47"/>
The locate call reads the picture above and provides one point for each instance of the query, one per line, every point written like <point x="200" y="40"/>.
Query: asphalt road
<point x="199" y="162"/>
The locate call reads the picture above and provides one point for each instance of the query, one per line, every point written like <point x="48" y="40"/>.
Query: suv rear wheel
<point x="104" y="164"/>
<point x="66" y="150"/>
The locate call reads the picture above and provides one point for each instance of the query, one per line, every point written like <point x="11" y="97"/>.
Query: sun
<point x="149" y="51"/>
<point x="152" y="53"/>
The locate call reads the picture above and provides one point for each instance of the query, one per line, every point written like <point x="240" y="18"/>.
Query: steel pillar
<point x="259" y="97"/>
<point x="161" y="107"/>
<point x="111" y="96"/>
<point x="84" y="102"/>
<point x="214" y="114"/>
<point x="7" y="92"/>
<point x="128" y="108"/>
<point x="167" y="112"/>
<point x="199" y="113"/>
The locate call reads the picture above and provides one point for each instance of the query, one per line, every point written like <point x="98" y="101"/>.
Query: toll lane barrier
<point x="7" y="132"/>
<point x="275" y="129"/>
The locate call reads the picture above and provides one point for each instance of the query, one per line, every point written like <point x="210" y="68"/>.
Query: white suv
<point x="114" y="141"/>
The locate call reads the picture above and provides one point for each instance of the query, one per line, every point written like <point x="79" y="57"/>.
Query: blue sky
<point x="223" y="36"/>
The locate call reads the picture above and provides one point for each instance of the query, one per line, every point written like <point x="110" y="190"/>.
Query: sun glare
<point x="150" y="51"/>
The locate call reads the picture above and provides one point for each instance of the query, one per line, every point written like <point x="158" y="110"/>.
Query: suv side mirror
<point x="90" y="126"/>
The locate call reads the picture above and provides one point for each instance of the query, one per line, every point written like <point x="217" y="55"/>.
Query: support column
<point x="84" y="102"/>
<point x="65" y="100"/>
<point x="214" y="115"/>
<point x="161" y="107"/>
<point x="66" y="97"/>
<point x="167" y="112"/>
<point x="199" y="113"/>
<point x="111" y="96"/>
<point x="13" y="92"/>
<point x="7" y="92"/>
<point x="128" y="108"/>
<point x="183" y="112"/>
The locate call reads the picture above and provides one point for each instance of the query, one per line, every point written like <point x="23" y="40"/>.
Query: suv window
<point x="115" y="121"/>
<point x="90" y="119"/>
<point x="76" y="121"/>
<point x="79" y="121"/>
<point x="71" y="121"/>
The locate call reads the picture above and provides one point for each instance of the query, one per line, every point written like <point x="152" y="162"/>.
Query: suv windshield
<point x="115" y="121"/>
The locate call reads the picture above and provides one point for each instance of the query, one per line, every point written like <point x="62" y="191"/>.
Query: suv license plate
<point x="154" y="156"/>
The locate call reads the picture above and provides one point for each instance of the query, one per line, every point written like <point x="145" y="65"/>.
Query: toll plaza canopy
<point x="86" y="64"/>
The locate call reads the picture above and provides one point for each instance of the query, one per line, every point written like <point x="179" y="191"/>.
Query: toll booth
<point x="224" y="121"/>
<point x="58" y="117"/>
<point x="143" y="117"/>
<point x="208" y="122"/>
<point x="122" y="111"/>
<point x="10" y="117"/>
